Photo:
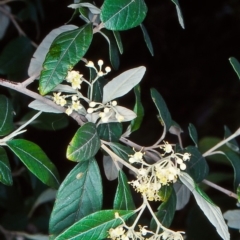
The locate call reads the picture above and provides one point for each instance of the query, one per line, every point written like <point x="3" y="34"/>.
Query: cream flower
<point x="74" y="77"/>
<point x="76" y="105"/>
<point x="58" y="99"/>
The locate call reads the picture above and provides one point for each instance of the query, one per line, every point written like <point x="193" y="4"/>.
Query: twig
<point x="19" y="87"/>
<point x="8" y="1"/>
<point x="237" y="133"/>
<point x="19" y="29"/>
<point x="229" y="193"/>
<point x="18" y="172"/>
<point x="138" y="147"/>
<point x="30" y="79"/>
<point x="115" y="156"/>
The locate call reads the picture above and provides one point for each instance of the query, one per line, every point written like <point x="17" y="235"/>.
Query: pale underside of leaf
<point x="110" y="168"/>
<point x="43" y="107"/>
<point x="42" y="50"/>
<point x="212" y="212"/>
<point x="233" y="218"/>
<point x="122" y="84"/>
<point x="4" y="20"/>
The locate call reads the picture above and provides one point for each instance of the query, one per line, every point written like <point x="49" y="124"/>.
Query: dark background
<point x="190" y="69"/>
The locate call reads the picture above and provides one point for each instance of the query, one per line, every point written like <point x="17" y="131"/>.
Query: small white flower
<point x="69" y="111"/>
<point x="186" y="156"/>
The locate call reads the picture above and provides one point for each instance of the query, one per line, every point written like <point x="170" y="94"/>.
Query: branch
<point x="229" y="193"/>
<point x="20" y="87"/>
<point x="237" y="133"/>
<point x="139" y="148"/>
<point x="15" y="23"/>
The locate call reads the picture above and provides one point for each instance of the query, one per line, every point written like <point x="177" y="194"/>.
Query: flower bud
<point x="100" y="62"/>
<point x="90" y="110"/>
<point x="90" y="64"/>
<point x="114" y="103"/>
<point x="92" y="104"/>
<point x="108" y="69"/>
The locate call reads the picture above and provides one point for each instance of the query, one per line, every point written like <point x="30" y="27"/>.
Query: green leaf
<point x="138" y="109"/>
<point x="118" y="41"/>
<point x="147" y="39"/>
<point x="179" y="13"/>
<point x="123" y="83"/>
<point x="232" y="144"/>
<point x="79" y="195"/>
<point x="193" y="133"/>
<point x="6" y="116"/>
<point x="236" y="65"/>
<point x="162" y="108"/>
<point x="113" y="48"/>
<point x="110" y="132"/>
<point x="66" y="50"/>
<point x="43" y="48"/>
<point x="98" y="88"/>
<point x="84" y="144"/>
<point x="123" y="14"/>
<point x="5" y="169"/>
<point x="234" y="159"/>
<point x="165" y="192"/>
<point x="35" y="160"/>
<point x="47" y="121"/>
<point x="197" y="166"/>
<point x="16" y="53"/>
<point x="123" y="198"/>
<point x="212" y="212"/>
<point x="165" y="211"/>
<point x="95" y="225"/>
<point x="121" y="150"/>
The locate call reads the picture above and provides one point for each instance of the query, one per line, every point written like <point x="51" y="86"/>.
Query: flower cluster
<point x="73" y="77"/>
<point x="123" y="232"/>
<point x="150" y="178"/>
<point x="106" y="111"/>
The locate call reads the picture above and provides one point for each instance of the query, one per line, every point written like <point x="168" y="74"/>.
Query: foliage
<point x="164" y="172"/>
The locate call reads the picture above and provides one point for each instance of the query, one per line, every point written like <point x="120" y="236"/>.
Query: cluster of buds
<point x="105" y="111"/>
<point x="150" y="178"/>
<point x="99" y="72"/>
<point x="123" y="232"/>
